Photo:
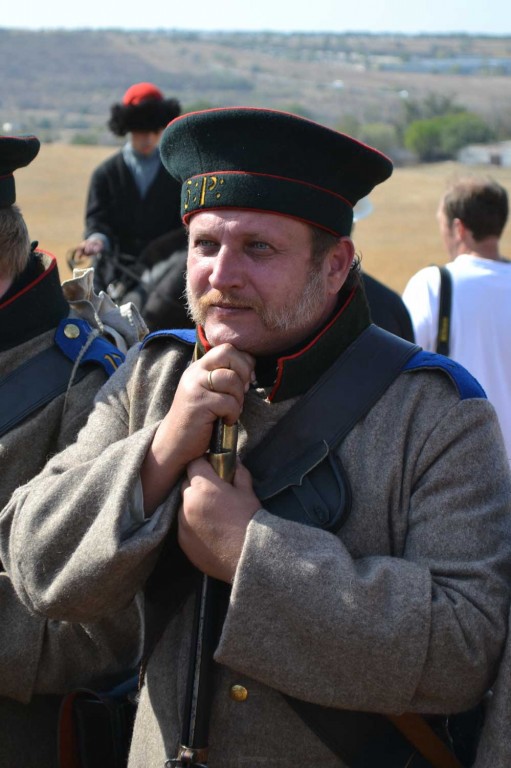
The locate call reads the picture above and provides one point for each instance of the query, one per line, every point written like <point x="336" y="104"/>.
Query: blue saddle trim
<point x="467" y="386"/>
<point x="187" y="335"/>
<point x="101" y="351"/>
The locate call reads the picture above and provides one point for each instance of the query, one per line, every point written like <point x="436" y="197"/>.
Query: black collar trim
<point x="294" y="371"/>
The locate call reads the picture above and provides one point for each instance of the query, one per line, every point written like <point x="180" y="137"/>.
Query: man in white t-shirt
<point x="472" y="215"/>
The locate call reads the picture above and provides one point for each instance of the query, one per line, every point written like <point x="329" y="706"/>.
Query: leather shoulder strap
<point x="306" y="434"/>
<point x="444" y="312"/>
<point x="34" y="384"/>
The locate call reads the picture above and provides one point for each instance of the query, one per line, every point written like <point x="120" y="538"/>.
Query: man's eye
<point x="203" y="243"/>
<point x="258" y="245"/>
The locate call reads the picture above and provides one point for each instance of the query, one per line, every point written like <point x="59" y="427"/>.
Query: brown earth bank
<point x="398" y="238"/>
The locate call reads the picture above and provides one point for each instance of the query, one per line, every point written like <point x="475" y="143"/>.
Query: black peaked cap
<point x="265" y="160"/>
<point x="15" y="152"/>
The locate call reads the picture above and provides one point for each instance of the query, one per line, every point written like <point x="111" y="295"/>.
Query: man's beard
<point x="297" y="312"/>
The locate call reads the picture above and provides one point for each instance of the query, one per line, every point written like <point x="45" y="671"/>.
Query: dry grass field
<point x="396" y="240"/>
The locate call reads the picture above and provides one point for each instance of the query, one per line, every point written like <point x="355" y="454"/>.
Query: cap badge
<point x="199" y="190"/>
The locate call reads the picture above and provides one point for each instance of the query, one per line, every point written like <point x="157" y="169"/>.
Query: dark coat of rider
<point x="117" y="210"/>
<point x="132" y="202"/>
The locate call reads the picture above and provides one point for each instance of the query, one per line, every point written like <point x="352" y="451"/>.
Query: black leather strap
<point x="444" y="312"/>
<point x="34" y="384"/>
<point x="308" y="432"/>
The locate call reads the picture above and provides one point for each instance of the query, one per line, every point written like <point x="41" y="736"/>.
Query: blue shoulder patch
<point x="186" y="335"/>
<point x="71" y="336"/>
<point x="467" y="386"/>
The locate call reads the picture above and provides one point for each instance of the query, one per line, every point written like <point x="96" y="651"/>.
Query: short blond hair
<point x="14" y="242"/>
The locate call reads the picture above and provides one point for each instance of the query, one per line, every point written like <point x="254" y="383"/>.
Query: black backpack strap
<point x="34" y="384"/>
<point x="444" y="312"/>
<point x="307" y="433"/>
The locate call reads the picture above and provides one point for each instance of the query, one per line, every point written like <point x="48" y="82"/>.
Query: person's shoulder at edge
<point x="388" y="309"/>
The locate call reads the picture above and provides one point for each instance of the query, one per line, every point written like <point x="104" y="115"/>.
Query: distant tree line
<point x="437" y="128"/>
<point x="433" y="129"/>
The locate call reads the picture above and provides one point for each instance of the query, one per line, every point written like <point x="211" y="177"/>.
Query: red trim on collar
<point x="51" y="266"/>
<point x="202" y="338"/>
<point x="282" y="360"/>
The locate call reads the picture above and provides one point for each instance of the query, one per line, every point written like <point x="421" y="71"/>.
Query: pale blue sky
<point x="469" y="16"/>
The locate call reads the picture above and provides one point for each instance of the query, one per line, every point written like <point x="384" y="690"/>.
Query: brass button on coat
<point x="71" y="331"/>
<point x="238" y="693"/>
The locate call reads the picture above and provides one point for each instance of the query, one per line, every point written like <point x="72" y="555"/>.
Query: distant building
<point x="486" y="154"/>
<point x="443" y="65"/>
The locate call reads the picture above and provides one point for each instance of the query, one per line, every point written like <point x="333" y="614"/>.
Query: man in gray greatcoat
<point x="48" y="326"/>
<point x="367" y="561"/>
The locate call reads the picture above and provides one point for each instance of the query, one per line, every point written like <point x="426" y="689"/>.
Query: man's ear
<point x="338" y="263"/>
<point x="459" y="230"/>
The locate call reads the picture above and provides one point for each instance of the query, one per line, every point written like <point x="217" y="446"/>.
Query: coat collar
<point x="294" y="371"/>
<point x="34" y="303"/>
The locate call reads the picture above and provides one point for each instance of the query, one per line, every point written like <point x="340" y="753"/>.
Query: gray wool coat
<point x="40" y="659"/>
<point x="404" y="610"/>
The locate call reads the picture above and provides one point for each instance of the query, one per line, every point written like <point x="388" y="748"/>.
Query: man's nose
<point x="227" y="269"/>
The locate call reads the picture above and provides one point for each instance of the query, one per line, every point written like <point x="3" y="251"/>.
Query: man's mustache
<point x="229" y="300"/>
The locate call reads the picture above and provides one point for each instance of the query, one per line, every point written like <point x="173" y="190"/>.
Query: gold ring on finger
<point x="210" y="381"/>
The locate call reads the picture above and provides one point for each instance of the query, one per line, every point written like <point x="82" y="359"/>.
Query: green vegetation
<point x="85" y="139"/>
<point x="383" y="136"/>
<point x="440" y="138"/>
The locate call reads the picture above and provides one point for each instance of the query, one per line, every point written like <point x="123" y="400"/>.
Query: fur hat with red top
<point x="143" y="108"/>
<point x="15" y="152"/>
